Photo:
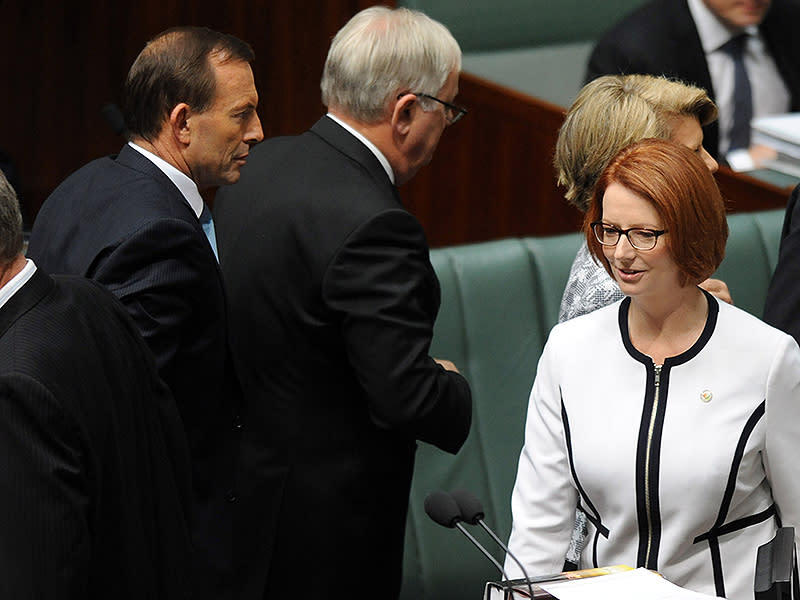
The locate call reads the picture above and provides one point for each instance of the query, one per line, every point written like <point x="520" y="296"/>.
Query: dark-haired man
<point x="136" y="222"/>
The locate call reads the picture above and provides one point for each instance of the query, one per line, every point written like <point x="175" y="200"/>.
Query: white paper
<point x="628" y="585"/>
<point x="784" y="127"/>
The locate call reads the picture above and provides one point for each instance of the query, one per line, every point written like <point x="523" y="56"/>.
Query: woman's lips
<point x="628" y="275"/>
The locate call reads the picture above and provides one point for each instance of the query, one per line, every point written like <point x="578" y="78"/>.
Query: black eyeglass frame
<point x="656" y="233"/>
<point x="458" y="111"/>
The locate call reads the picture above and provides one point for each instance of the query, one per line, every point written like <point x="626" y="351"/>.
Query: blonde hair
<point x="382" y="52"/>
<point x="613" y="112"/>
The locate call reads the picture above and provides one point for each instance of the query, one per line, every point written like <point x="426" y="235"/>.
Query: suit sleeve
<point x="44" y="529"/>
<point x="543" y="499"/>
<point x="782" y="306"/>
<point x="158" y="273"/>
<point x="382" y="282"/>
<point x="783" y="431"/>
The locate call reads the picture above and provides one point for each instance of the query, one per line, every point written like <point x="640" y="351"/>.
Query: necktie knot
<point x="735" y="46"/>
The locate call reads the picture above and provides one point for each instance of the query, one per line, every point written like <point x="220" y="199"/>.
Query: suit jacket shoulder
<point x="782" y="306"/>
<point x="120" y="221"/>
<point x="100" y="206"/>
<point x="347" y="187"/>
<point x="659" y="38"/>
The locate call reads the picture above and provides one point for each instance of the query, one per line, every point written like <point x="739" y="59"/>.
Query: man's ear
<point x="179" y="122"/>
<point x="403" y="113"/>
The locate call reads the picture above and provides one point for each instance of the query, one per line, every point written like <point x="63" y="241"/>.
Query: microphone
<point x="441" y="507"/>
<point x="471" y="511"/>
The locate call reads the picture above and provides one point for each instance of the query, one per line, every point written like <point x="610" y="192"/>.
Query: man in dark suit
<point x="687" y="40"/>
<point x="88" y="435"/>
<point x="133" y="223"/>
<point x="332" y="302"/>
<point x="782" y="306"/>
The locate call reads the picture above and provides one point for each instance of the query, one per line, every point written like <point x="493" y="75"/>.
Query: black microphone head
<point x="469" y="506"/>
<point x="441" y="507"/>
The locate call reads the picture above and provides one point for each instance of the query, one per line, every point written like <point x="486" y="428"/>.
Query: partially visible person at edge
<point x="782" y="305"/>
<point x="95" y="483"/>
<point x="670" y="373"/>
<point x="137" y="223"/>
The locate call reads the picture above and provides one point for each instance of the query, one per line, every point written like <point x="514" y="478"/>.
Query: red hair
<point x="685" y="195"/>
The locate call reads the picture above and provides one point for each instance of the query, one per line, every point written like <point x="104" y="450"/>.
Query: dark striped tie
<point x="742" y="94"/>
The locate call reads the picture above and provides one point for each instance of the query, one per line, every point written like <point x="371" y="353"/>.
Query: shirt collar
<point x="16" y="282"/>
<point x="713" y="33"/>
<point x="373" y="148"/>
<point x="183" y="182"/>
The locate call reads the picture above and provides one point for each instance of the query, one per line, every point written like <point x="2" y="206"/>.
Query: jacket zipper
<point x="648" y="462"/>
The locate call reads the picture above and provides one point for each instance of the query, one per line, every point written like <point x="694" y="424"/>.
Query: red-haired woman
<point x="671" y="418"/>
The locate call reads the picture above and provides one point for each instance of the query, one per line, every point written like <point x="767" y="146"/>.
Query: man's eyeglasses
<point x="640" y="238"/>
<point x="451" y="112"/>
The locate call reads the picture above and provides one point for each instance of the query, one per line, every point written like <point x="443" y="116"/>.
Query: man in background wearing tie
<point x="136" y="222"/>
<point x="745" y="53"/>
<point x="333" y="300"/>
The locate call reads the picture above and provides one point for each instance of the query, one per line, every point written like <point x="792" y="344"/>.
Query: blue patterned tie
<point x="742" y="93"/>
<point x="208" y="227"/>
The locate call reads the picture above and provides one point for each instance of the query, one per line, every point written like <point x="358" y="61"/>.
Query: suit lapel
<point x="134" y="160"/>
<point x="341" y="139"/>
<point x="687" y="46"/>
<point x="28" y="296"/>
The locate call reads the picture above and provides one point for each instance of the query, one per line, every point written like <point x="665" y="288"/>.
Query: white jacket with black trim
<point x="687" y="477"/>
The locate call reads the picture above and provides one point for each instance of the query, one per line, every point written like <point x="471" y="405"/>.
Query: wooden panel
<point x="62" y="61"/>
<point x="747" y="194"/>
<point x="492" y="175"/>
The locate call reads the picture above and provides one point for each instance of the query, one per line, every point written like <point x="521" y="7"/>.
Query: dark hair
<point x="11" y="240"/>
<point x="175" y="67"/>
<point x="685" y="195"/>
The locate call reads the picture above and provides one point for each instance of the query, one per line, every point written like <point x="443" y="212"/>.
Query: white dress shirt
<point x="16" y="282"/>
<point x="372" y="147"/>
<point x="183" y="182"/>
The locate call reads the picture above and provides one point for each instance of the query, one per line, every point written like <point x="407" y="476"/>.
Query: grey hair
<point x="10" y="222"/>
<point x="382" y="52"/>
